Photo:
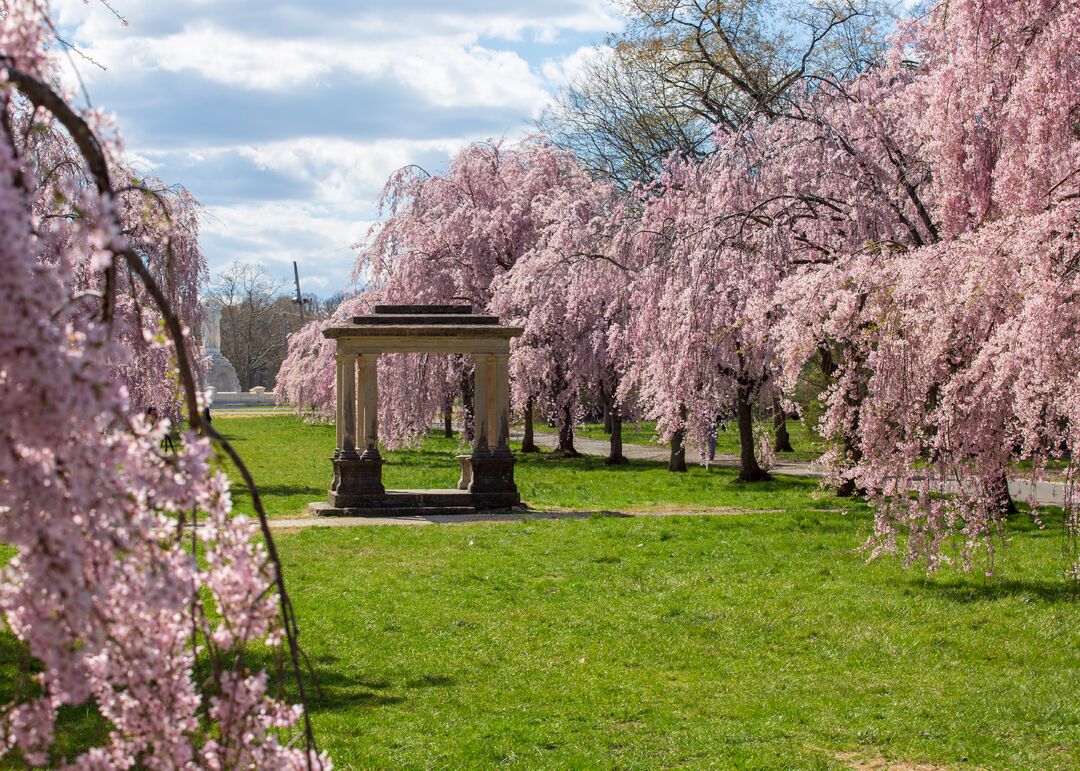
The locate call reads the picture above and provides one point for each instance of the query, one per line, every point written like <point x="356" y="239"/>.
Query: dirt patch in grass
<point x="861" y="763"/>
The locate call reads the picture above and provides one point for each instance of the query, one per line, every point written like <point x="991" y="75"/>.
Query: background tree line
<point x="744" y="202"/>
<point x="258" y="313"/>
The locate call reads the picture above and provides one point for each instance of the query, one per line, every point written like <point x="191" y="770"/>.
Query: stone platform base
<point x="412" y="503"/>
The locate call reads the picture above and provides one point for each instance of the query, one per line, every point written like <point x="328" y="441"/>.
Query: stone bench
<point x="466" y="472"/>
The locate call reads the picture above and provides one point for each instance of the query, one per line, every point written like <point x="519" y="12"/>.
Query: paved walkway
<point x="249" y="412"/>
<point x="1049" y="493"/>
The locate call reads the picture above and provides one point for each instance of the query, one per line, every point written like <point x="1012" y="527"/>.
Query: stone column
<point x="339" y="421"/>
<point x="357" y="464"/>
<point x="371" y="406"/>
<point x="500" y="419"/>
<point x="492" y="463"/>
<point x="361" y="397"/>
<point x="482" y="396"/>
<point x="347" y="405"/>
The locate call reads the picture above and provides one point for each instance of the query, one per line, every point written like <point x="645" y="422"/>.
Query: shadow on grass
<point x="1050" y="524"/>
<point x="318" y="493"/>
<point x="977" y="589"/>
<point x="331" y="688"/>
<point x="431" y="681"/>
<point x="337" y="691"/>
<point x="78" y="728"/>
<point x="585" y="462"/>
<point x="334" y="697"/>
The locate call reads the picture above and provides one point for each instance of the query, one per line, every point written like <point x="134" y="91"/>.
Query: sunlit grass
<point x="290" y="461"/>
<point x="752" y="638"/>
<point x="755" y="641"/>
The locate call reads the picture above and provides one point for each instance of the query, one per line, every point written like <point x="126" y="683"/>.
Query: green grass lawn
<point x="290" y="461"/>
<point x="740" y="640"/>
<point x="806" y="443"/>
<point x="752" y="641"/>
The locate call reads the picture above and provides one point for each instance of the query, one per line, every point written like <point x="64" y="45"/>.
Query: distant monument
<point x="222" y="374"/>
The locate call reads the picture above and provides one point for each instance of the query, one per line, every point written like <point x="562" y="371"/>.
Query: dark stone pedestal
<point x="487" y="483"/>
<point x="492" y="480"/>
<point x="356" y="478"/>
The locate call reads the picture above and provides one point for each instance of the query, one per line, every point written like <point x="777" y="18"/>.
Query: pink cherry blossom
<point x="104" y="591"/>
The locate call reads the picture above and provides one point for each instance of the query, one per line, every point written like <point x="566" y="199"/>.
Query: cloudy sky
<point x="285" y="118"/>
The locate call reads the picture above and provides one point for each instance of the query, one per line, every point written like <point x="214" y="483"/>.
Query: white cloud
<point x="344" y="171"/>
<point x="559" y="72"/>
<point x="474" y="77"/>
<point x="446" y="71"/>
<point x="441" y="74"/>
<point x="274" y="234"/>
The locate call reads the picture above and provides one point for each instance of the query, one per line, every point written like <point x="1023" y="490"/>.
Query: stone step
<point x="424" y="498"/>
<point x="326" y="510"/>
<point x="404" y="502"/>
<point x="413" y="319"/>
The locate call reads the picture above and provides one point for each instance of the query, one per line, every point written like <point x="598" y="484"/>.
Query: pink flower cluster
<point x="104" y="591"/>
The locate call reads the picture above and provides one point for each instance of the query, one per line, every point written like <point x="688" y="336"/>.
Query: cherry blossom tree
<point x="570" y="304"/>
<point x="699" y="340"/>
<point x="161" y="223"/>
<point x="104" y="591"/>
<point x="509" y="229"/>
<point x="960" y="339"/>
<point x="448" y="238"/>
<point x="846" y="181"/>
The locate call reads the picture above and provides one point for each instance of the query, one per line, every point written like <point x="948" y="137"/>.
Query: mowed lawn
<point x="290" y="461"/>
<point x="756" y="640"/>
<point x="752" y="637"/>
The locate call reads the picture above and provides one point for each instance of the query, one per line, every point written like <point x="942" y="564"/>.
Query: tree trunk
<point x="609" y="419"/>
<point x="528" y="443"/>
<point x="448" y="417"/>
<point x="749" y="470"/>
<point x="847" y="488"/>
<point x="566" y="434"/>
<point x="1005" y="499"/>
<point x="677" y="459"/>
<point x="615" y="454"/>
<point x="783" y="441"/>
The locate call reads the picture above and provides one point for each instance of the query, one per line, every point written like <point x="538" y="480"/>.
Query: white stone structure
<point x="487" y="473"/>
<point x="221" y="376"/>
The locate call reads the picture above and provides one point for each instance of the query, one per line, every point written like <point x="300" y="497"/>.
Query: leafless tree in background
<point x="683" y="70"/>
<point x="324" y="308"/>
<point x="252" y="331"/>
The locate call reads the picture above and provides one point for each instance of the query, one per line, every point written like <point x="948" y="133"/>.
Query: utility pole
<point x="299" y="297"/>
